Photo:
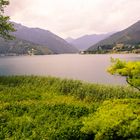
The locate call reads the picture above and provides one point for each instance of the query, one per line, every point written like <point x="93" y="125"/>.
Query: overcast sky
<point x="74" y="18"/>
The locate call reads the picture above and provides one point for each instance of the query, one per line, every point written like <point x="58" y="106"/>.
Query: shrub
<point x="117" y="119"/>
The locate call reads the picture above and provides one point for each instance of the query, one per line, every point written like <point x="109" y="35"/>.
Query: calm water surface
<point x="91" y="68"/>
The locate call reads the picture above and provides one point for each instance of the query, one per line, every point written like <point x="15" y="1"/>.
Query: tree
<point x="131" y="70"/>
<point x="6" y="27"/>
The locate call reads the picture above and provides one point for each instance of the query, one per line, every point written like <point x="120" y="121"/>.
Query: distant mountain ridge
<point x="44" y="38"/>
<point x="69" y="39"/>
<point x="40" y="40"/>
<point x="130" y="36"/>
<point x="84" y="42"/>
<point x="45" y="42"/>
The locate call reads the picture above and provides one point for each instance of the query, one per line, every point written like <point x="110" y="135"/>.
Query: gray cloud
<point x="75" y="17"/>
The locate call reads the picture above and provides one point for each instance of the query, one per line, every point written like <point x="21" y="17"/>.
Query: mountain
<point x="69" y="39"/>
<point x="44" y="38"/>
<point x="86" y="41"/>
<point x="21" y="47"/>
<point x="127" y="37"/>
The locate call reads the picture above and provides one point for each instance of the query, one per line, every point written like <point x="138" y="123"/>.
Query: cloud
<point x="75" y="17"/>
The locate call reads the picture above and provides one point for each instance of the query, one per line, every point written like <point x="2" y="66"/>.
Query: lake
<point x="90" y="68"/>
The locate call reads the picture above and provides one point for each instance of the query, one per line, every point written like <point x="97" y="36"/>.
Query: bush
<point x="117" y="119"/>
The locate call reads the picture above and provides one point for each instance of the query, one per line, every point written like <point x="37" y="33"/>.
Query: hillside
<point x="84" y="42"/>
<point x="44" y="38"/>
<point x="21" y="47"/>
<point x="129" y="36"/>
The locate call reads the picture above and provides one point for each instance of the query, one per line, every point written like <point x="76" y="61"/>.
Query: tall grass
<point x="36" y="86"/>
<point x="33" y="107"/>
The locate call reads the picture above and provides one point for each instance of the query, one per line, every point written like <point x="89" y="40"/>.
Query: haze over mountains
<point x="128" y="36"/>
<point x="39" y="41"/>
<point x="84" y="42"/>
<point x="69" y="39"/>
<point x="43" y="41"/>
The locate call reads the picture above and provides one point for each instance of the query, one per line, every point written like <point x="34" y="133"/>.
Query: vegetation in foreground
<point x="131" y="70"/>
<point x="46" y="108"/>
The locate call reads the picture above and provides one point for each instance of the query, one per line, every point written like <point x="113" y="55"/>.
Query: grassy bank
<point x="49" y="108"/>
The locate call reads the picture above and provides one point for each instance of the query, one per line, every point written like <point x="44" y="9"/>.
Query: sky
<point x="75" y="18"/>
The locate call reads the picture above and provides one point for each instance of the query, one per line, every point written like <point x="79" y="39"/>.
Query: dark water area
<point x="90" y="68"/>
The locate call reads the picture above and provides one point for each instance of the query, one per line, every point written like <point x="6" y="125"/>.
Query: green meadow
<point x="47" y="108"/>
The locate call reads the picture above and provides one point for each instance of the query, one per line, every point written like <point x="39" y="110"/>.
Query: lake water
<point x="90" y="68"/>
